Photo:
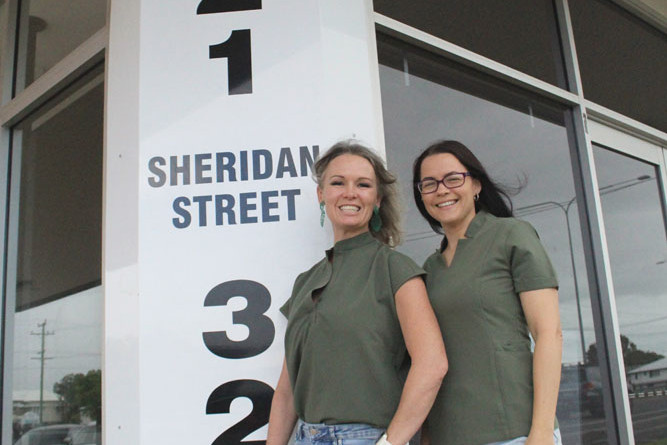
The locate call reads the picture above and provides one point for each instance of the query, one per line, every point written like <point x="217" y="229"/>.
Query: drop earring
<point x="322" y="213"/>
<point x="376" y="220"/>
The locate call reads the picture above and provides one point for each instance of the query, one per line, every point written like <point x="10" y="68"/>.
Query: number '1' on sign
<point x="237" y="48"/>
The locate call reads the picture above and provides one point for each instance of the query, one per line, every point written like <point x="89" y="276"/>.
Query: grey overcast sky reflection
<point x="520" y="148"/>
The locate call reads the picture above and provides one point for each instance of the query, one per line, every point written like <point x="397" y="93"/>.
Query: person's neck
<point x="456" y="232"/>
<point x="342" y="235"/>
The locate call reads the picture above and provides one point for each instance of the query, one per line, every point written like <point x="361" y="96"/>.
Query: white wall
<point x="172" y="273"/>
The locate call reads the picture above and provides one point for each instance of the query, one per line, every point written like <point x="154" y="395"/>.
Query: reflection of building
<point x="649" y="377"/>
<point x="26" y="407"/>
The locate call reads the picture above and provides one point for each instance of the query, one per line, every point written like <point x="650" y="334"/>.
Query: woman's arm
<point x="283" y="416"/>
<point x="429" y="361"/>
<point x="541" y="310"/>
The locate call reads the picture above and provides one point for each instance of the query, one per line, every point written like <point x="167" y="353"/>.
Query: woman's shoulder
<point x="519" y="234"/>
<point x="388" y="258"/>
<point x="395" y="267"/>
<point x="520" y="229"/>
<point x="509" y="225"/>
<point x="393" y="256"/>
<point x="500" y="221"/>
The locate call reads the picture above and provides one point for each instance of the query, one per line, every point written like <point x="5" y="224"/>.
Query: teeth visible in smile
<point x="349" y="208"/>
<point x="446" y="204"/>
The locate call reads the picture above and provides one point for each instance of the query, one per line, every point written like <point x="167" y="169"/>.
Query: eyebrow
<point x="359" y="179"/>
<point x="446" y="174"/>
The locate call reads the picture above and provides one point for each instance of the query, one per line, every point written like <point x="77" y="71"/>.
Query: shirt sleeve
<point x="428" y="265"/>
<point x="285" y="308"/>
<point x="401" y="269"/>
<point x="530" y="265"/>
<point x="316" y="277"/>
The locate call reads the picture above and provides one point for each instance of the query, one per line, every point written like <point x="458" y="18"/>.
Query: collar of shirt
<point x="477" y="223"/>
<point x="355" y="242"/>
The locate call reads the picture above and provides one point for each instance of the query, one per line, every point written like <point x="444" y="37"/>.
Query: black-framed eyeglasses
<point x="450" y="180"/>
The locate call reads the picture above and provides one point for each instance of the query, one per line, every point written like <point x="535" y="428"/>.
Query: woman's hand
<point x="541" y="310"/>
<point x="541" y="438"/>
<point x="283" y="416"/>
<point x="423" y="340"/>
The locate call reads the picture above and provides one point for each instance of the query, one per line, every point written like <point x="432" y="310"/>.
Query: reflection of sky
<point x="74" y="347"/>
<point x="515" y="147"/>
<point x="637" y="248"/>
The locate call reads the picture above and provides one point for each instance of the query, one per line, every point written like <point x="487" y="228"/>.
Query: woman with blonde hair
<point x="357" y="320"/>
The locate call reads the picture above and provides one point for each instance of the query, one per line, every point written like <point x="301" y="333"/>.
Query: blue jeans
<point x="341" y="434"/>
<point x="521" y="440"/>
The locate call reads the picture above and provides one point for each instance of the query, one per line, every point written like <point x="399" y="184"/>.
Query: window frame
<point x="13" y="109"/>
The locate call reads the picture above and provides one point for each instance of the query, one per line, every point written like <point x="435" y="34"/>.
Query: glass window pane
<point x="50" y="31"/>
<point x="58" y="319"/>
<point x="3" y="36"/>
<point x="520" y="34"/>
<point x="521" y="140"/>
<point x="635" y="229"/>
<point x="623" y="60"/>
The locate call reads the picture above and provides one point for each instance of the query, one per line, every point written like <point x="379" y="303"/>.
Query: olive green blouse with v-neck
<point x="487" y="393"/>
<point x="343" y="345"/>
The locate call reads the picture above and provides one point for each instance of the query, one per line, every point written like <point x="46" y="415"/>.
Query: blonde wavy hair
<point x="390" y="209"/>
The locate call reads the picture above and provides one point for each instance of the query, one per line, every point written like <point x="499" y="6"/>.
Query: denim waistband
<point x="322" y="432"/>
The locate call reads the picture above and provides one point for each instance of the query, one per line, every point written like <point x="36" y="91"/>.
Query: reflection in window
<point x="623" y="61"/>
<point x="51" y="31"/>
<point x="635" y="229"/>
<point x="60" y="207"/>
<point x="521" y="140"/>
<point x="520" y="34"/>
<point x="58" y="319"/>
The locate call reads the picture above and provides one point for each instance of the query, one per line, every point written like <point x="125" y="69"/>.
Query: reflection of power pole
<point x="566" y="210"/>
<point x="41" y="358"/>
<point x="547" y="205"/>
<point x="565" y="207"/>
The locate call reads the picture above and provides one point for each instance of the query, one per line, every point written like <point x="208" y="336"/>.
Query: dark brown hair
<point x="492" y="199"/>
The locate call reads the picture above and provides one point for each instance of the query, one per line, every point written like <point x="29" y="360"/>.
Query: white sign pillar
<point x="215" y="112"/>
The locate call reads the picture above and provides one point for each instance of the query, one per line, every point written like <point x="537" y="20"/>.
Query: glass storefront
<point x="635" y="228"/>
<point x="57" y="338"/>
<point x="623" y="60"/>
<point x="523" y="143"/>
<point x="54" y="298"/>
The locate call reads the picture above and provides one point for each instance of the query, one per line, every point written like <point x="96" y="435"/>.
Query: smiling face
<point x="349" y="190"/>
<point x="454" y="208"/>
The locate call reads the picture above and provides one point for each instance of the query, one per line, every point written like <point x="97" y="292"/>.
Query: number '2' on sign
<point x="237" y="48"/>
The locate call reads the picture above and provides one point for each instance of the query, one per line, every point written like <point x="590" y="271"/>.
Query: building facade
<point x="157" y="204"/>
<point x="648" y="378"/>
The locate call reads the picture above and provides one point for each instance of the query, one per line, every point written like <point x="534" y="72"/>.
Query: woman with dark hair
<point x="354" y="318"/>
<point x="491" y="284"/>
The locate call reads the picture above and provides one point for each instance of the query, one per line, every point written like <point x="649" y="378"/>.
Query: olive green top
<point x="487" y="394"/>
<point x="343" y="345"/>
